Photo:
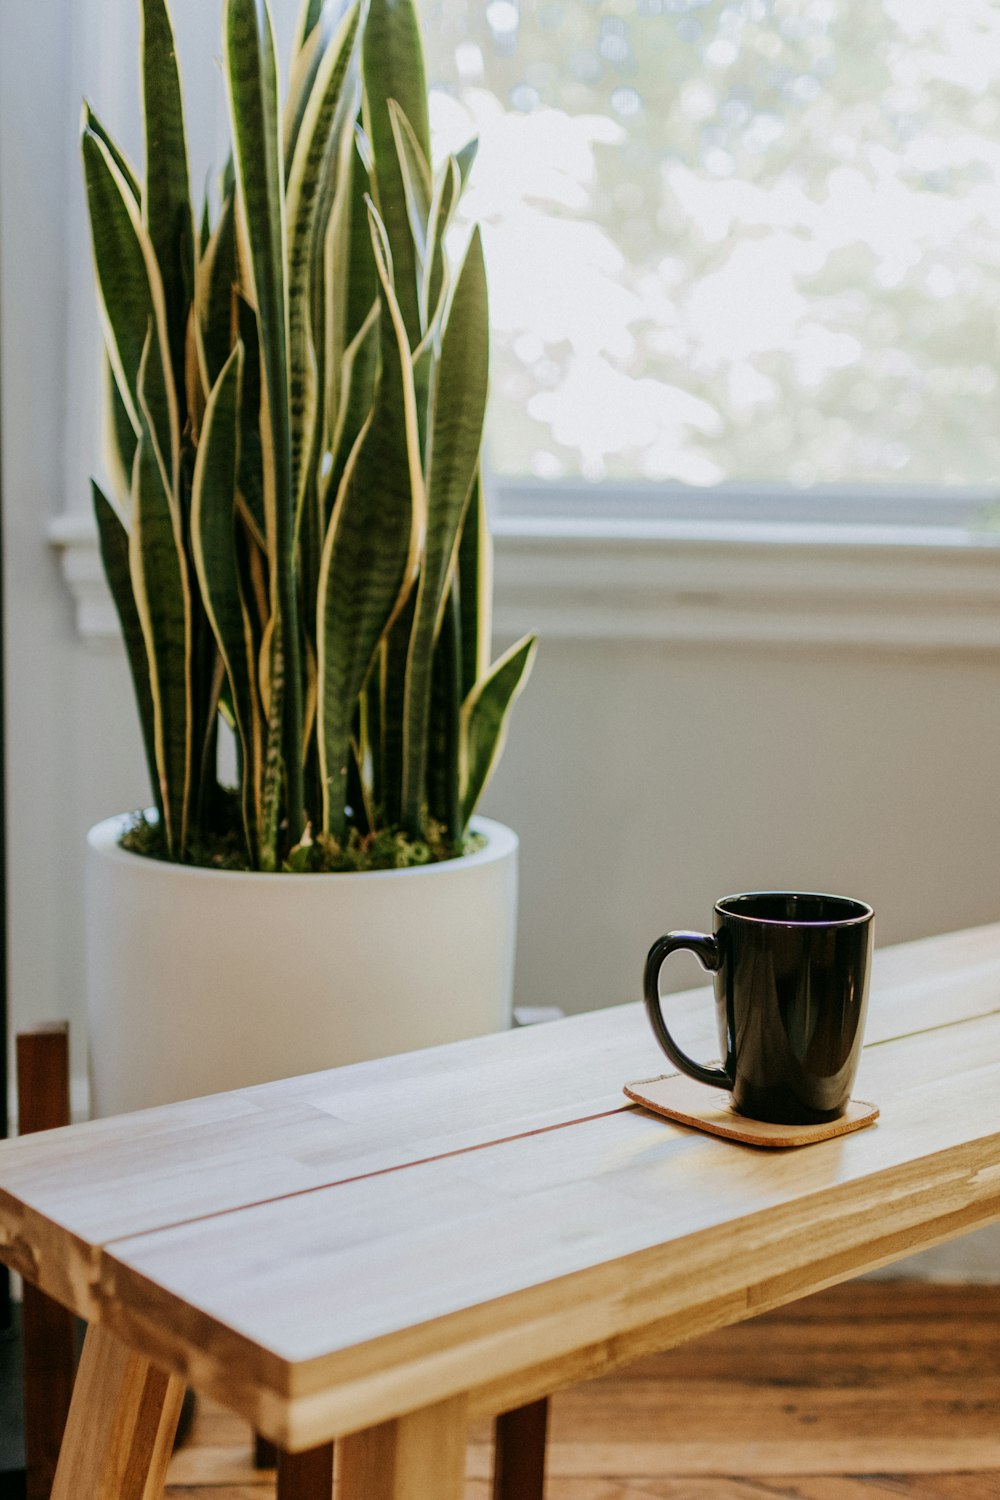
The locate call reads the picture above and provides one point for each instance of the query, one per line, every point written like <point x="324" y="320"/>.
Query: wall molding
<point x="74" y="539"/>
<point x="711" y="584"/>
<point x="751" y="584"/>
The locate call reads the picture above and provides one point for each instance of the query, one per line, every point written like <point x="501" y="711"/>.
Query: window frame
<point x="899" y="567"/>
<point x="907" y="569"/>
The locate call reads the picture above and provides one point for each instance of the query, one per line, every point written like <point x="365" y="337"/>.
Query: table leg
<point x="519" y="1464"/>
<point x="417" y="1457"/>
<point x="120" y="1431"/>
<point x="306" y="1476"/>
<point x="265" y="1454"/>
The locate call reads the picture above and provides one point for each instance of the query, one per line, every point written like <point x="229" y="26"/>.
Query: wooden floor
<point x="874" y="1389"/>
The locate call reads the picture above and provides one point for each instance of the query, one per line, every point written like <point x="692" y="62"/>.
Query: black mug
<point x="791" y="990"/>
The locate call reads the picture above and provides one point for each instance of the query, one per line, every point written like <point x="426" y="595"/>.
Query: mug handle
<point x="706" y="949"/>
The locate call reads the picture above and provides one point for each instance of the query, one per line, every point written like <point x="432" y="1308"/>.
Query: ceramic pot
<point x="199" y="981"/>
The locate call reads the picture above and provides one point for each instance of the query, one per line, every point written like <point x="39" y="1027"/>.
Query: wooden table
<point x="379" y="1253"/>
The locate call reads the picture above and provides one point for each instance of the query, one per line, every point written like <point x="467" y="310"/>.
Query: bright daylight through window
<point x="753" y="241"/>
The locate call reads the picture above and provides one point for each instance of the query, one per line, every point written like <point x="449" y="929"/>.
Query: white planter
<point x="205" y="980"/>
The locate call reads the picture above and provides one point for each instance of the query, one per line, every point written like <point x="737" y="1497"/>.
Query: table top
<point x="328" y="1252"/>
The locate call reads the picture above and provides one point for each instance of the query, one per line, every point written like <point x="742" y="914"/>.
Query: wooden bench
<point x="379" y="1253"/>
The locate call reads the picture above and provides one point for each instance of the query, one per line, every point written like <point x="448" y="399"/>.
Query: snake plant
<point x="296" y="387"/>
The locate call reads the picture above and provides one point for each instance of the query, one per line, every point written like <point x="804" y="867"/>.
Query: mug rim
<point x="862" y="912"/>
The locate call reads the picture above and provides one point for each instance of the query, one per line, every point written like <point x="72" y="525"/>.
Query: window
<point x="742" y="244"/>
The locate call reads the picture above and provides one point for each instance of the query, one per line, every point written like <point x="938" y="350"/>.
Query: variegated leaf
<point x="302" y="75"/>
<point x="115" y="556"/>
<point x="459" y="408"/>
<point x="253" y="104"/>
<point x="357" y="386"/>
<point x="251" y="454"/>
<point x="314" y="161"/>
<point x="118" y="434"/>
<point x="317" y="27"/>
<point x="466" y="157"/>
<point x="475" y="589"/>
<point x="158" y="569"/>
<point x="121" y="161"/>
<point x="445" y="726"/>
<point x="349" y="272"/>
<point x="166" y="204"/>
<point x="310" y="14"/>
<point x="215" y="295"/>
<point x="131" y="299"/>
<point x="485" y="715"/>
<point x="204" y="226"/>
<point x="251" y="77"/>
<point x="416" y="174"/>
<point x="393" y="68"/>
<point x="433" y="285"/>
<point x="213" y="541"/>
<point x="370" y="707"/>
<point x="371" y="548"/>
<point x="425" y="363"/>
<point x="392" y="660"/>
<point x="271" y="676"/>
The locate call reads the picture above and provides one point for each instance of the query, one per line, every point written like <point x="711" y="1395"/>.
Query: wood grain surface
<point x="872" y="1388"/>
<point x="494" y="1218"/>
<point x="121" y="1425"/>
<point x="420" y="1456"/>
<point x="414" y="1285"/>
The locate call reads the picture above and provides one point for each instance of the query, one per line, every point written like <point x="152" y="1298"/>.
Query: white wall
<point x="646" y="777"/>
<point x="649" y="778"/>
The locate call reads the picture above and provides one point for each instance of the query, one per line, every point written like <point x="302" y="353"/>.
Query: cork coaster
<point x="681" y="1098"/>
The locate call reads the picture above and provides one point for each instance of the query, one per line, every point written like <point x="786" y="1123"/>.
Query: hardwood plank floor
<point x="874" y="1389"/>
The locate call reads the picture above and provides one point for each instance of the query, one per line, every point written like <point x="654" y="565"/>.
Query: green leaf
<point x="364" y="146"/>
<point x="370" y="552"/>
<point x="216" y="283"/>
<point x="485" y="715"/>
<point x="251" y="454"/>
<point x="425" y="362"/>
<point x="308" y="56"/>
<point x="213" y="541"/>
<point x="302" y="75"/>
<point x="159" y="579"/>
<point x="416" y="174"/>
<point x="204" y="227"/>
<point x="393" y="68"/>
<point x="445" y="730"/>
<point x="314" y="161"/>
<point x="115" y="556"/>
<point x="357" y="387"/>
<point x="309" y="15"/>
<point x="453" y="460"/>
<point x="475" y="589"/>
<point x="370" y="705"/>
<point x="121" y="161"/>
<point x="465" y="157"/>
<point x="118" y="434"/>
<point x="392" y="661"/>
<point x="351" y="280"/>
<point x="167" y="198"/>
<point x="253" y="104"/>
<point x="251" y="77"/>
<point x="433" y="284"/>
<point x="227" y="177"/>
<point x="273" y="658"/>
<point x="131" y="299"/>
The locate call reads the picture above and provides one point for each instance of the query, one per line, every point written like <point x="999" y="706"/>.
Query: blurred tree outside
<point x="734" y="241"/>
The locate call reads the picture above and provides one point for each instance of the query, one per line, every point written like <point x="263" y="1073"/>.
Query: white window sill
<point x="902" y="586"/>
